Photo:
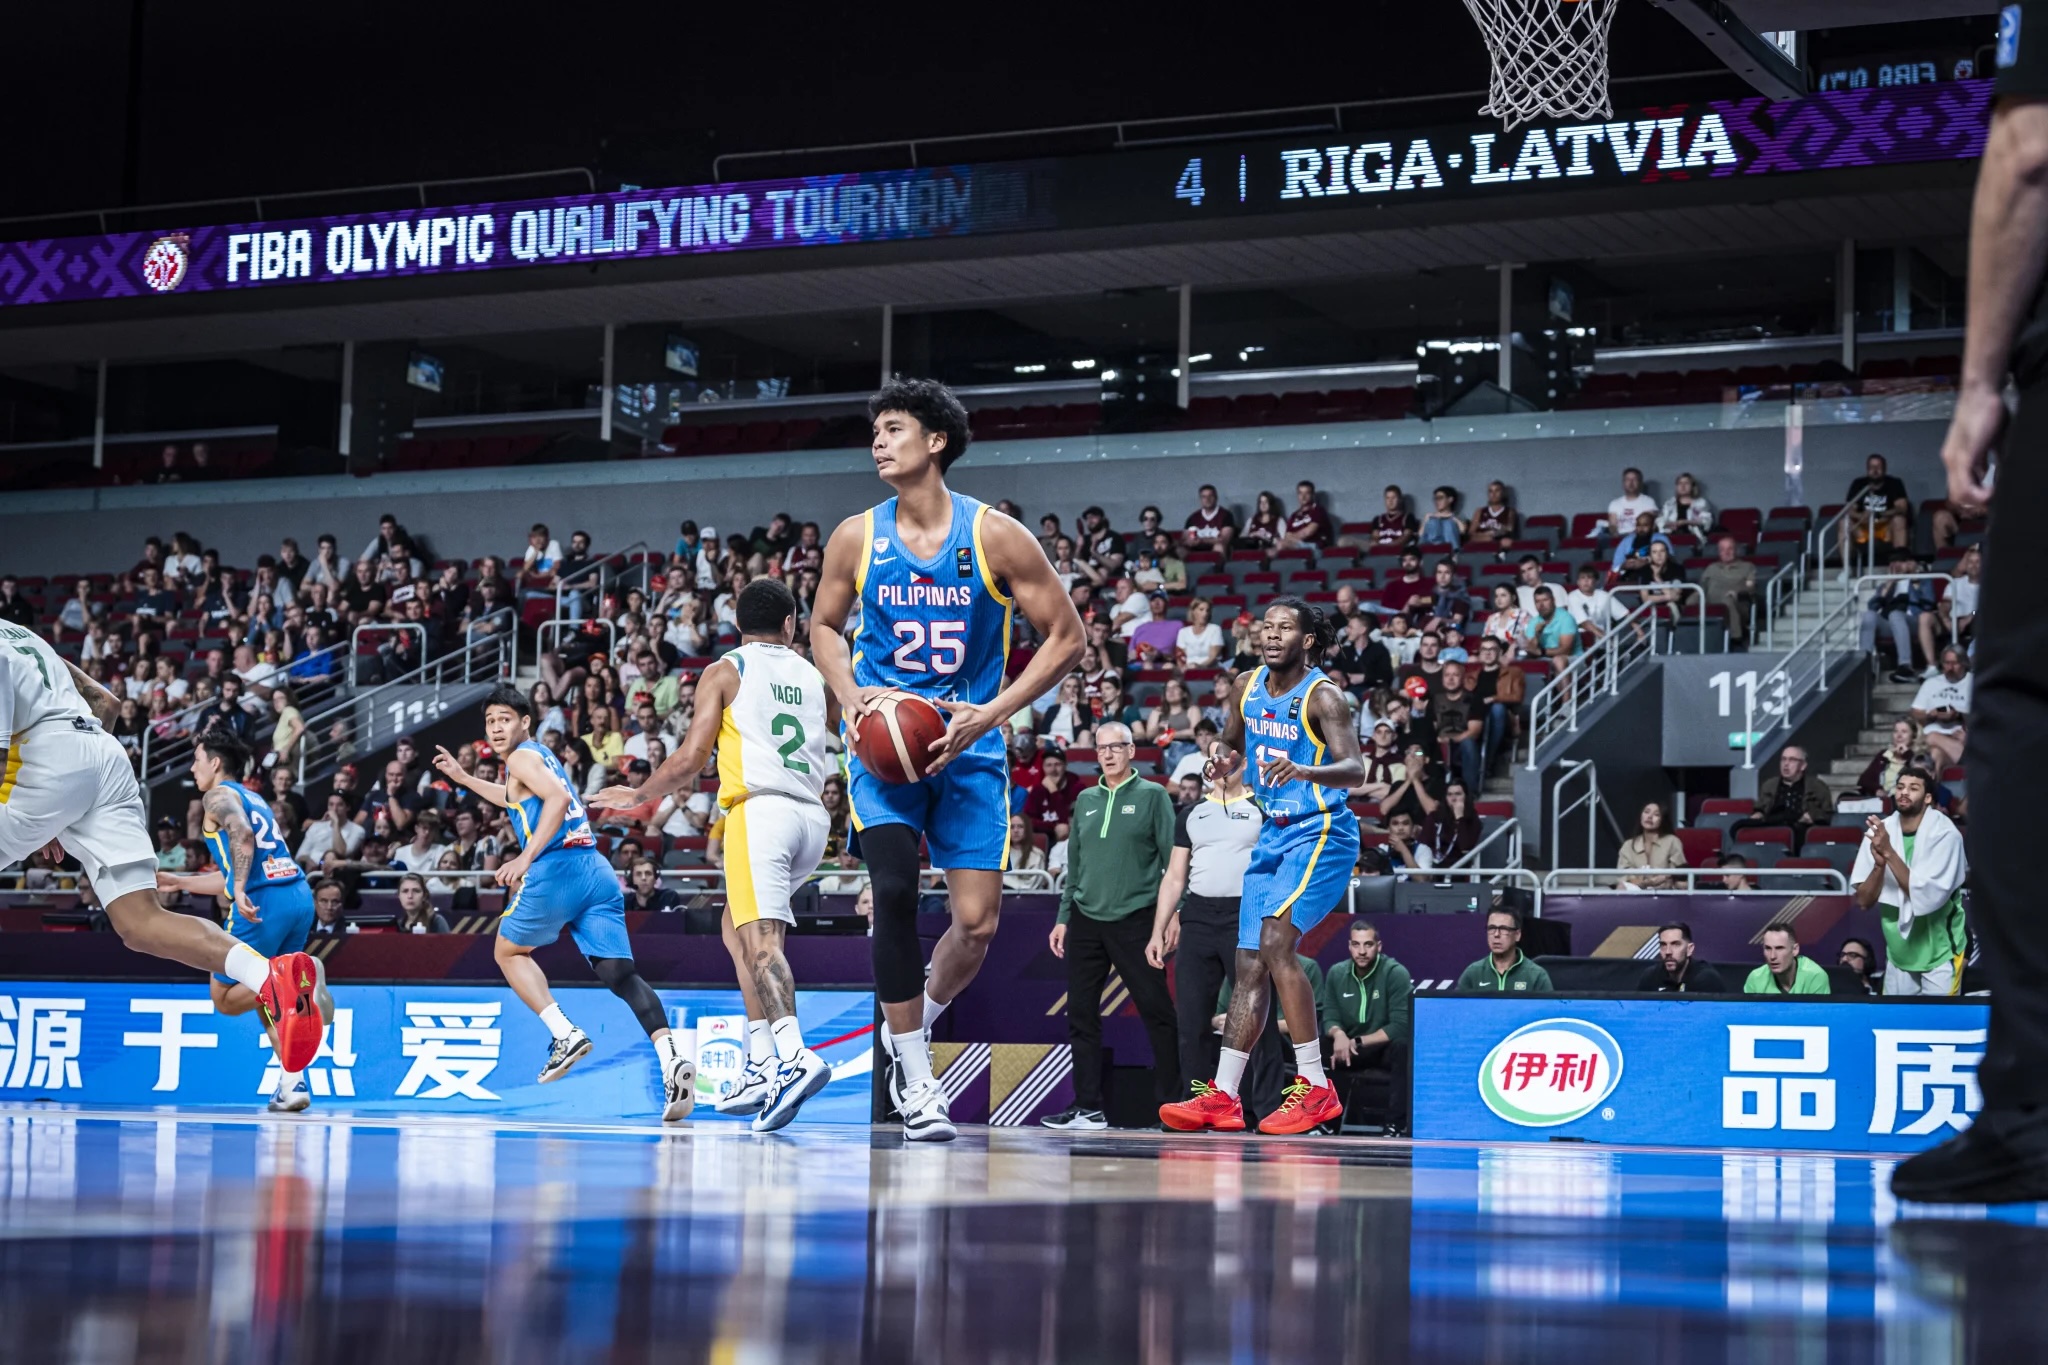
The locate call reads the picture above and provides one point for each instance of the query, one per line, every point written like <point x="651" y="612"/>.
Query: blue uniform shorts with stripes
<point x="963" y="810"/>
<point x="1302" y="872"/>
<point x="572" y="889"/>
<point x="287" y="917"/>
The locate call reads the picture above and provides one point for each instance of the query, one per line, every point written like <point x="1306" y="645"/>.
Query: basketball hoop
<point x="1549" y="58"/>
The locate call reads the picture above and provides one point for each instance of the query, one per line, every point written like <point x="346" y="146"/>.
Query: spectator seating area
<point x="736" y="430"/>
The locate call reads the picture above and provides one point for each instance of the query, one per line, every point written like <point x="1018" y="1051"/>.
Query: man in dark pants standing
<point x="1212" y="845"/>
<point x="2003" y="1156"/>
<point x="1117" y="847"/>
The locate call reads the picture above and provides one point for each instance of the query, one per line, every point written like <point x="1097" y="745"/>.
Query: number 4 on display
<point x="1189" y="187"/>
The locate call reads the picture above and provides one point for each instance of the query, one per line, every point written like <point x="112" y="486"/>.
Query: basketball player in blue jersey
<point x="938" y="576"/>
<point x="253" y="868"/>
<point x="560" y="880"/>
<point x="1290" y="723"/>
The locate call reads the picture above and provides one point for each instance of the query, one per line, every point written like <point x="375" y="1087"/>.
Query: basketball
<point x="894" y="743"/>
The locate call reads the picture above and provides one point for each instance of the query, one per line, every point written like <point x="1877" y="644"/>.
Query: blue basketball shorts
<point x="574" y="890"/>
<point x="287" y="917"/>
<point x="1300" y="871"/>
<point x="963" y="810"/>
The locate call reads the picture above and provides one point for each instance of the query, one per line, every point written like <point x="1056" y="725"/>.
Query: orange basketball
<point x="894" y="743"/>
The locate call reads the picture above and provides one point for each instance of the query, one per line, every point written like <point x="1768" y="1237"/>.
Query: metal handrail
<point x="1592" y="800"/>
<point x="1797" y="675"/>
<point x="1681" y="589"/>
<point x="1511" y="830"/>
<point x="355" y="641"/>
<point x="1594" y="672"/>
<point x="600" y="566"/>
<point x="159" y="758"/>
<point x="1817" y="542"/>
<point x="1835" y="882"/>
<point x="488" y="660"/>
<point x="510" y="617"/>
<point x="1781" y="590"/>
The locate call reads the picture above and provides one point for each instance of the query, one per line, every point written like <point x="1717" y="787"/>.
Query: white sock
<point x="1308" y="1062"/>
<point x="557" y="1022"/>
<point x="932" y="1010"/>
<point x="665" y="1049"/>
<point x="291" y="1080"/>
<point x="914" y="1055"/>
<point x="760" y="1042"/>
<point x="247" y="967"/>
<point x="789" y="1039"/>
<point x="1230" y="1070"/>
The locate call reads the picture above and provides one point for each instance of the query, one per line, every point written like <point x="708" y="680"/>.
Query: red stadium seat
<point x="1702" y="846"/>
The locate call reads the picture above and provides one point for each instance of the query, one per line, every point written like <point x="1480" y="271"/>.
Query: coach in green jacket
<point x="1118" y="841"/>
<point x="1504" y="968"/>
<point x="1784" y="971"/>
<point x="1369" y="1019"/>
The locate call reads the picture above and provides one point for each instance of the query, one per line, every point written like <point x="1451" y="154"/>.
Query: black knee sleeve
<point x="891" y="854"/>
<point x="623" y="979"/>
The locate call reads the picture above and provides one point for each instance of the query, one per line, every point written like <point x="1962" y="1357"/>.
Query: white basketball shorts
<point x="772" y="844"/>
<point x="76" y="786"/>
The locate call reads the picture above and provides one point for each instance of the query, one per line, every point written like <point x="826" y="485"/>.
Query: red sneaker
<point x="1306" y="1106"/>
<point x="293" y="1002"/>
<point x="1210" y="1108"/>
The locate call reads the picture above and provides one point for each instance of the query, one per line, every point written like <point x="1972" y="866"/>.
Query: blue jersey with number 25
<point x="939" y="627"/>
<point x="272" y="865"/>
<point x="575" y="828"/>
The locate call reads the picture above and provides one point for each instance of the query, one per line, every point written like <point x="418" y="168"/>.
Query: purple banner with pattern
<point x="1896" y="125"/>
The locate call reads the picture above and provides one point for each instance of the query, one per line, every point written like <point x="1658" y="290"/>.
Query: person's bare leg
<point x="1247" y="1017"/>
<point x="977" y="901"/>
<point x="1944" y="528"/>
<point x="768" y="970"/>
<point x="1925" y="626"/>
<point x="1290" y="985"/>
<point x="147" y="927"/>
<point x="742" y="966"/>
<point x="1902" y="532"/>
<point x="523" y="974"/>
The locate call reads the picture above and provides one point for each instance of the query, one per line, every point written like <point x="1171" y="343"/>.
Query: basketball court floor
<point x="185" y="1236"/>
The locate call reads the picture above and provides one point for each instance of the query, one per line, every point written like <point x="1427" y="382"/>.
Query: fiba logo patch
<point x="165" y="263"/>
<point x="1550" y="1072"/>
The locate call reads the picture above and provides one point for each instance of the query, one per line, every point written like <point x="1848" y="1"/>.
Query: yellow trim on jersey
<point x="740" y="897"/>
<point x="867" y="550"/>
<point x="988" y="574"/>
<point x="732" y="772"/>
<point x="1301" y="887"/>
<point x="12" y="771"/>
<point x="1244" y="698"/>
<point x="1308" y="728"/>
<point x="988" y="581"/>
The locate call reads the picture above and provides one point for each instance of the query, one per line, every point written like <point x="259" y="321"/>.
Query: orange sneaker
<point x="1306" y="1106"/>
<point x="1210" y="1108"/>
<point x="293" y="1000"/>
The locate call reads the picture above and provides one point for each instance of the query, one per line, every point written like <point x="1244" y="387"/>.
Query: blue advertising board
<point x="416" y="1048"/>
<point x="1697" y="1073"/>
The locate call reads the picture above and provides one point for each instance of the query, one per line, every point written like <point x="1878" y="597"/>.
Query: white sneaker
<point x="924" y="1113"/>
<point x="753" y="1092"/>
<point x="795" y="1081"/>
<point x="679" y="1090"/>
<point x="565" y="1053"/>
<point x="292" y="1100"/>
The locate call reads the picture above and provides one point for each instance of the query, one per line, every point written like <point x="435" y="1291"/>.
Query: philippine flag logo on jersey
<point x="916" y="577"/>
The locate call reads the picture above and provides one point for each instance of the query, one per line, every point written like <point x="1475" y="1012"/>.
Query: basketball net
<point x="1549" y="58"/>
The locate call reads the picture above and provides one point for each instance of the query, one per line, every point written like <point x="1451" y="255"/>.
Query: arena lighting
<point x="1083" y="364"/>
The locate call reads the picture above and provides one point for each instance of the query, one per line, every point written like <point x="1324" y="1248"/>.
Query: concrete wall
<point x="1562" y="462"/>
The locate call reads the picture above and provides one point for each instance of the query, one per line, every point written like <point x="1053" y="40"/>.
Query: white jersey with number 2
<point x="772" y="736"/>
<point x="39" y="686"/>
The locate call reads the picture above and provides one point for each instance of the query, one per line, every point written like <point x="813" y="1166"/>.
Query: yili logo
<point x="1550" y="1072"/>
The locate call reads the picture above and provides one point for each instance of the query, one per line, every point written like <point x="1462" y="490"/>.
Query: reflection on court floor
<point x="180" y="1236"/>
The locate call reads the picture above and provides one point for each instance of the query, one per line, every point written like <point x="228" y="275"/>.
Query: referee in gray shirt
<point x="1212" y="844"/>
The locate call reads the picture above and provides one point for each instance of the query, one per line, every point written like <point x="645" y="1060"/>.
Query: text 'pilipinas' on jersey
<point x="938" y="626"/>
<point x="272" y="865"/>
<point x="1276" y="726"/>
<point x="575" y="830"/>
